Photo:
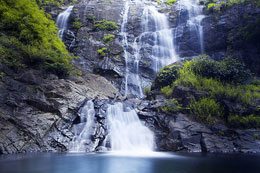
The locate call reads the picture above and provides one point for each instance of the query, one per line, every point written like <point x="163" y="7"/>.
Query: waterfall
<point x="155" y="26"/>
<point x="82" y="142"/>
<point x="192" y="21"/>
<point x="155" y="29"/>
<point x="127" y="133"/>
<point x="125" y="43"/>
<point x="62" y="20"/>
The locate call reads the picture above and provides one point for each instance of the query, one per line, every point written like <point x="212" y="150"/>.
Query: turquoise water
<point x="110" y="163"/>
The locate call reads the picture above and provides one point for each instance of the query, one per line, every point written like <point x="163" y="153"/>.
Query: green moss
<point x="170" y="2"/>
<point x="206" y="110"/>
<point x="102" y="52"/>
<point x="108" y="38"/>
<point x="105" y="25"/>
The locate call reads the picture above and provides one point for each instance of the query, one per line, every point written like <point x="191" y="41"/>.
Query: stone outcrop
<point x="37" y="110"/>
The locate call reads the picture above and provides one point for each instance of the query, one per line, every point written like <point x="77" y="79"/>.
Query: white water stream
<point x="62" y="20"/>
<point x="87" y="115"/>
<point x="126" y="131"/>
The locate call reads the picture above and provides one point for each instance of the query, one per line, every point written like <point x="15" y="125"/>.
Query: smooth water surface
<point x="109" y="163"/>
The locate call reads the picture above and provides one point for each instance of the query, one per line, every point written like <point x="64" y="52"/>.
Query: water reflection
<point x="111" y="163"/>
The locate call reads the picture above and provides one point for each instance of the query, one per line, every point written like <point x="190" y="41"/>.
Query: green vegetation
<point x="206" y="110"/>
<point x="250" y="121"/>
<point x="171" y="106"/>
<point x="167" y="90"/>
<point x="211" y="6"/>
<point x="102" y="52"/>
<point x="29" y="38"/>
<point x="105" y="25"/>
<point x="76" y="23"/>
<point x="146" y="90"/>
<point x="54" y="2"/>
<point x="170" y="2"/>
<point x="91" y="17"/>
<point x="165" y="76"/>
<point x="108" y="38"/>
<point x="228" y="70"/>
<point x="223" y="80"/>
<point x="158" y="1"/>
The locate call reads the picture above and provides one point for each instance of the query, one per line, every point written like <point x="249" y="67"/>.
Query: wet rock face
<point x="179" y="133"/>
<point x="37" y="110"/>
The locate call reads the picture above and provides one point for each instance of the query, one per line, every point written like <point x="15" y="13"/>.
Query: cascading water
<point x="155" y="29"/>
<point x="81" y="141"/>
<point x="155" y="26"/>
<point x="62" y="20"/>
<point x="127" y="133"/>
<point x="190" y="16"/>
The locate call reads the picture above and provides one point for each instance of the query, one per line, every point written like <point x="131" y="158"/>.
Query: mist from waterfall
<point x="126" y="131"/>
<point x="62" y="21"/>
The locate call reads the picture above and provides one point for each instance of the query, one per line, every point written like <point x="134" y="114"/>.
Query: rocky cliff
<point x="40" y="112"/>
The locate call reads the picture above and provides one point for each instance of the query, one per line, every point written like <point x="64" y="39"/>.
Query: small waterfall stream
<point x="191" y="16"/>
<point x="62" y="20"/>
<point x="127" y="133"/>
<point x="81" y="140"/>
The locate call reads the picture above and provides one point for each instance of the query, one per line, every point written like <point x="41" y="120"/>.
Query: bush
<point x="29" y="38"/>
<point x="206" y="110"/>
<point x="171" y="106"/>
<point x="170" y="2"/>
<point x="77" y="25"/>
<point x="167" y="91"/>
<point x="166" y="76"/>
<point x="102" y="52"/>
<point x="108" y="38"/>
<point x="146" y="90"/>
<point x="250" y="121"/>
<point x="105" y="25"/>
<point x="228" y="70"/>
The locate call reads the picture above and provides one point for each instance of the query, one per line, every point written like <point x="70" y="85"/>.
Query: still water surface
<point x="114" y="163"/>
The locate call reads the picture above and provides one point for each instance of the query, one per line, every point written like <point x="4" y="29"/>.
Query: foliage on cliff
<point x="224" y="81"/>
<point x="29" y="39"/>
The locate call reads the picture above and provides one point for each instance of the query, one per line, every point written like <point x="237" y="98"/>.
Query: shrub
<point x="146" y="90"/>
<point x="250" y="121"/>
<point x="167" y="91"/>
<point x="170" y="2"/>
<point x="229" y="70"/>
<point x="171" y="106"/>
<point x="166" y="76"/>
<point x="211" y="6"/>
<point x="206" y="110"/>
<point x="108" y="38"/>
<point x="77" y="25"/>
<point x="29" y="38"/>
<point x="102" y="52"/>
<point x="91" y="17"/>
<point x="105" y="25"/>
